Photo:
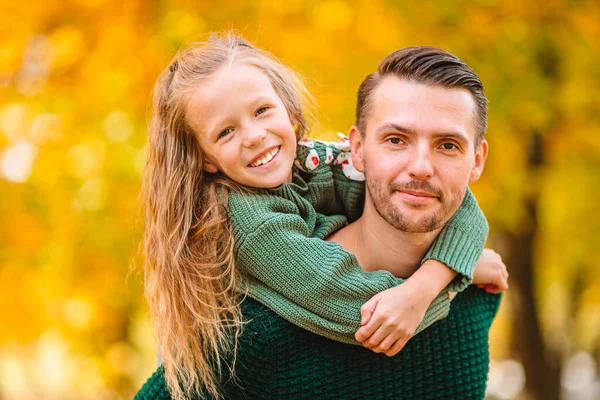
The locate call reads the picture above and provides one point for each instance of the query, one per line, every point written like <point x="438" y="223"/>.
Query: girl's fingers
<point x="367" y="310"/>
<point x="495" y="289"/>
<point x="387" y="342"/>
<point x="396" y="347"/>
<point x="367" y="330"/>
<point x="375" y="339"/>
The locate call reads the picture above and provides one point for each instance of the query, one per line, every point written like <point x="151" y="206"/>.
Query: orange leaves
<point x="75" y="82"/>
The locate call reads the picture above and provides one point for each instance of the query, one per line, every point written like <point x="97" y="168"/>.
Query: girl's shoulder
<point x="313" y="156"/>
<point x="312" y="153"/>
<point x="248" y="211"/>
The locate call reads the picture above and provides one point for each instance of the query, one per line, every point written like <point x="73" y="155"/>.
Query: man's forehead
<point x="422" y="106"/>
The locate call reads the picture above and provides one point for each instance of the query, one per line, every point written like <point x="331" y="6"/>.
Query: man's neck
<point x="378" y="245"/>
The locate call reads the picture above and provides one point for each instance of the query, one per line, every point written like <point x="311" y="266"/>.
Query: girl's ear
<point x="294" y="122"/>
<point x="209" y="167"/>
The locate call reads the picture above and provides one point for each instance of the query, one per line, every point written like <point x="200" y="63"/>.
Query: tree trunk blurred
<point x="542" y="366"/>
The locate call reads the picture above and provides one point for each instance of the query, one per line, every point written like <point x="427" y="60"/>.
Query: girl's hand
<point x="490" y="272"/>
<point x="391" y="317"/>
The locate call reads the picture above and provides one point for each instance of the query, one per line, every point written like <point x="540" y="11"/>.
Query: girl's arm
<point x="314" y="284"/>
<point x="384" y="332"/>
<point x="460" y="244"/>
<point x="336" y="186"/>
<point x="390" y="318"/>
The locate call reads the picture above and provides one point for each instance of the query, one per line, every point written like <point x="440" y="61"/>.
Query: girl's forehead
<point x="243" y="75"/>
<point x="232" y="83"/>
<point x="227" y="93"/>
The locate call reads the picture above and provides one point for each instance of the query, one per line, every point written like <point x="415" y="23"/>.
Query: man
<point x="420" y="124"/>
<point x="419" y="140"/>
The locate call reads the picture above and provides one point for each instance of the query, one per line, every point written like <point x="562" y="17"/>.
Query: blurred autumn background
<point x="75" y="84"/>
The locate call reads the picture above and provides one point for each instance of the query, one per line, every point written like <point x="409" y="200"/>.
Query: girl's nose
<point x="254" y="136"/>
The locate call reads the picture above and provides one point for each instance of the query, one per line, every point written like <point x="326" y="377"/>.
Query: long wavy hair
<point x="191" y="282"/>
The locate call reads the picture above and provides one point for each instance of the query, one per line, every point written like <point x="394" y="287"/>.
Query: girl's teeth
<point x="267" y="157"/>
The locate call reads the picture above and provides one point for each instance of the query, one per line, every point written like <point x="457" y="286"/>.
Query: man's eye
<point x="225" y="132"/>
<point x="395" y="140"/>
<point x="261" y="110"/>
<point x="449" y="146"/>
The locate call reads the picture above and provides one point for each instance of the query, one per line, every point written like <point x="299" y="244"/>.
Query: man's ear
<point x="480" y="156"/>
<point x="209" y="167"/>
<point x="356" y="146"/>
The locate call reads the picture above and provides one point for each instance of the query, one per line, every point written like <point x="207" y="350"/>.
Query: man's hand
<point x="490" y="272"/>
<point x="391" y="317"/>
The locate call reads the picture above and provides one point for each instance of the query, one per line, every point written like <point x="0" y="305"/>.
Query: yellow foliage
<point x="75" y="83"/>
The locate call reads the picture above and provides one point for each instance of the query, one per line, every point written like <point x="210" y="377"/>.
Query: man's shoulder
<point x="472" y="305"/>
<point x="476" y="302"/>
<point x="449" y="359"/>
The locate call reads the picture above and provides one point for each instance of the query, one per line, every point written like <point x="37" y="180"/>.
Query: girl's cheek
<point x="231" y="159"/>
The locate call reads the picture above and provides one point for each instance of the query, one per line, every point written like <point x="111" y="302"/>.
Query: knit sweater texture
<point x="317" y="285"/>
<point x="278" y="360"/>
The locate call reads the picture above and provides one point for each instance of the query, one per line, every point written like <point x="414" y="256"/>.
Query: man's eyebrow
<point x="390" y="126"/>
<point x="452" y="135"/>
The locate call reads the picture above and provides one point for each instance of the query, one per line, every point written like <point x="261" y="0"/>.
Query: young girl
<point x="235" y="205"/>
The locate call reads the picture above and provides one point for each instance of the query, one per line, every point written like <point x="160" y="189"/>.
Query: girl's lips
<point x="265" y="157"/>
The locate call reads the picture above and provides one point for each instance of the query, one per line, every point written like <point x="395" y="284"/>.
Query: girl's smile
<point x="265" y="157"/>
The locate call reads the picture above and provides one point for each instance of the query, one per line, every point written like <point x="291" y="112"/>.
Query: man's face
<point x="418" y="153"/>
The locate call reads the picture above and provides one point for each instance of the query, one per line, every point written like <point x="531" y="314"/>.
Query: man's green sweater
<point x="277" y="360"/>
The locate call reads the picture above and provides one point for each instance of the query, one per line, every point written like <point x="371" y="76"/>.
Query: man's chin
<point x="424" y="224"/>
<point x="424" y="228"/>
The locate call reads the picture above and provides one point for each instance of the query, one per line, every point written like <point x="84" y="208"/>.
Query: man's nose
<point x="254" y="135"/>
<point x="420" y="166"/>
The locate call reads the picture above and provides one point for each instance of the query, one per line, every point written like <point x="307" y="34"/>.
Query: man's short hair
<point x="426" y="65"/>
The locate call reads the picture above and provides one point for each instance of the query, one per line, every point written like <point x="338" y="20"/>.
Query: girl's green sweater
<point x="317" y="285"/>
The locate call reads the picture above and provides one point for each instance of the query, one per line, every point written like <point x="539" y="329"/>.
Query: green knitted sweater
<point x="315" y="284"/>
<point x="277" y="360"/>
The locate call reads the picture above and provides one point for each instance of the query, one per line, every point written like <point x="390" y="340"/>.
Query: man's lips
<point x="417" y="196"/>
<point x="418" y="193"/>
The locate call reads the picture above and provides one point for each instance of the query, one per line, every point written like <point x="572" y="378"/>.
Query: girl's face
<point x="243" y="127"/>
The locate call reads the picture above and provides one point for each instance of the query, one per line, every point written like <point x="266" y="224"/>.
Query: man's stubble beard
<point x="384" y="206"/>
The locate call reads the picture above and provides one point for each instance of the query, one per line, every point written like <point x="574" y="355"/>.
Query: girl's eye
<point x="395" y="140"/>
<point x="449" y="146"/>
<point x="225" y="132"/>
<point x="262" y="110"/>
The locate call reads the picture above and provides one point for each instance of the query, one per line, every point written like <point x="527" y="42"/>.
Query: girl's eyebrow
<point x="262" y="98"/>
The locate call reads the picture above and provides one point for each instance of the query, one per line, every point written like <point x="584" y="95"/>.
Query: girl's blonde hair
<point x="190" y="274"/>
